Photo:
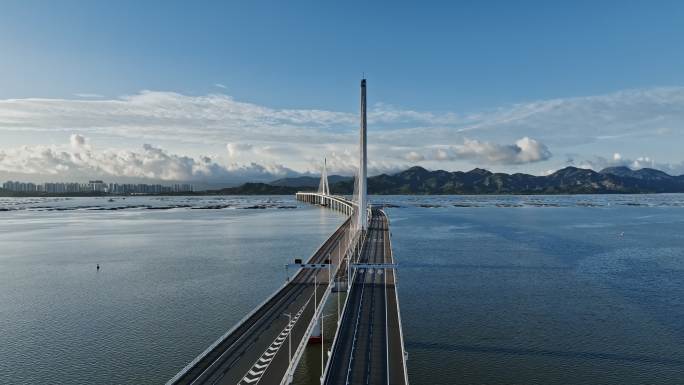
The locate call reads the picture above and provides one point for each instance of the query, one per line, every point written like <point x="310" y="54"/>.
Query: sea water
<point x="492" y="289"/>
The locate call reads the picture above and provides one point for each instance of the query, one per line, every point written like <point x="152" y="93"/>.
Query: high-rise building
<point x="97" y="186"/>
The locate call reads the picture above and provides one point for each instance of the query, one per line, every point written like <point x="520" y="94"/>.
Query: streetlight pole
<point x="289" y="347"/>
<point x="322" y="348"/>
<point x="289" y="344"/>
<point x="329" y="272"/>
<point x="323" y="317"/>
<point x="348" y="271"/>
<point x="339" y="263"/>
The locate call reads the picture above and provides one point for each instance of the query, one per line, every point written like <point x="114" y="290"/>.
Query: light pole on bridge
<point x="323" y="317"/>
<point x="289" y="348"/>
<point x="339" y="263"/>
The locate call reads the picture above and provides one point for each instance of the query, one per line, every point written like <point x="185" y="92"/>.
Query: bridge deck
<point x="369" y="348"/>
<point x="254" y="351"/>
<point x="369" y="344"/>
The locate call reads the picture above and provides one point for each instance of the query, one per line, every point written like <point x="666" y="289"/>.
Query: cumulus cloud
<point x="78" y="160"/>
<point x="523" y="151"/>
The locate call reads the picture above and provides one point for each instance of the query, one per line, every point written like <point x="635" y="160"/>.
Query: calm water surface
<point x="493" y="290"/>
<point x="172" y="280"/>
<point x="542" y="290"/>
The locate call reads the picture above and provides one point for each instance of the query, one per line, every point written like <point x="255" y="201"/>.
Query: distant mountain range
<point x="570" y="180"/>
<point x="417" y="180"/>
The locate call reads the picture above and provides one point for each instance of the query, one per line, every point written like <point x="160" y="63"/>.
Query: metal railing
<point x="396" y="299"/>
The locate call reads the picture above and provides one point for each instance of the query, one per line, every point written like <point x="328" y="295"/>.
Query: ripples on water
<point x="543" y="294"/>
<point x="172" y="281"/>
<point x="493" y="289"/>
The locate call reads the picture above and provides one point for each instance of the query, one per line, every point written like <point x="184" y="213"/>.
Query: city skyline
<point x="94" y="186"/>
<point x="235" y="94"/>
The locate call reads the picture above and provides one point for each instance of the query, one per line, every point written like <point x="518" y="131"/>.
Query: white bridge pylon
<point x="349" y="252"/>
<point x="323" y="187"/>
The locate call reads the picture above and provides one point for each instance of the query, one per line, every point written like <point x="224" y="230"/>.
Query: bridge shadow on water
<point x="626" y="358"/>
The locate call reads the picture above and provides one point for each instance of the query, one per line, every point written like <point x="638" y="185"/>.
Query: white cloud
<point x="413" y="156"/>
<point x="382" y="113"/>
<point x="219" y="85"/>
<point x="86" y="95"/>
<point x="299" y="138"/>
<point x="79" y="160"/>
<point x="171" y="116"/>
<point x="235" y="149"/>
<point x="623" y="114"/>
<point x="202" y="119"/>
<point x="523" y="151"/>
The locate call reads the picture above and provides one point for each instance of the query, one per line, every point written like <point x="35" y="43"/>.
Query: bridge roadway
<point x="368" y="348"/>
<point x="256" y="350"/>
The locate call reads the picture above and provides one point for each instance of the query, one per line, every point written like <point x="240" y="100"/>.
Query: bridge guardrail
<point x="302" y="344"/>
<point x="396" y="298"/>
<point x="351" y="278"/>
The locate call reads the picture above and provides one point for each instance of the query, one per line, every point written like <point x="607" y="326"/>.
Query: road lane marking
<point x="258" y="369"/>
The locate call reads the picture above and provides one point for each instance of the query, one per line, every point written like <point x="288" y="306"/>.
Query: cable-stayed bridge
<point x="266" y="346"/>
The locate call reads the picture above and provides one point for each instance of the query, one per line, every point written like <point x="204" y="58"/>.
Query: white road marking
<point x="257" y="370"/>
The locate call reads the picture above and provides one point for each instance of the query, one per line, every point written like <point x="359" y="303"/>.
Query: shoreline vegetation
<point x="419" y="181"/>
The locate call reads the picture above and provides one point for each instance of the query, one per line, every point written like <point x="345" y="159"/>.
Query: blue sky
<point x="229" y="90"/>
